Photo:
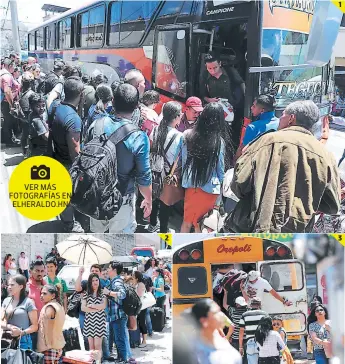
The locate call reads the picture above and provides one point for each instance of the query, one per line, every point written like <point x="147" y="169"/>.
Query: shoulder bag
<point x="172" y="191"/>
<point x="147" y="300"/>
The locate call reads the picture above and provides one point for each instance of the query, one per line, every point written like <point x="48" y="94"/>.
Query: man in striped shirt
<point x="248" y="325"/>
<point x="235" y="315"/>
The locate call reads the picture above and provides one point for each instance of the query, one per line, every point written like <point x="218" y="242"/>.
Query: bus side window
<point x="64" y="34"/>
<point x="31" y="42"/>
<point x="39" y="39"/>
<point x="82" y="32"/>
<point x="135" y="17"/>
<point x="96" y="27"/>
<point x="50" y="37"/>
<point x="114" y="25"/>
<point x="167" y="15"/>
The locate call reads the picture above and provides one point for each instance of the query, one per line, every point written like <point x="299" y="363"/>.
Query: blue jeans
<point x="121" y="338"/>
<point x="320" y="356"/>
<point x="148" y="321"/>
<point x="26" y="342"/>
<point x="252" y="352"/>
<point x="105" y="344"/>
<point x="34" y="337"/>
<point x="81" y="323"/>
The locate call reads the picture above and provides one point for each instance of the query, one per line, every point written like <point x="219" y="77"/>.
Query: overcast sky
<point x="29" y="11"/>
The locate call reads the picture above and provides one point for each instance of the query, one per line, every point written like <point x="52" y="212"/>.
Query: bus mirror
<point x="181" y="34"/>
<point x="266" y="61"/>
<point x="323" y="33"/>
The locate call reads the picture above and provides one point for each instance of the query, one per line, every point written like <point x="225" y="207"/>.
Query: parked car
<point x="70" y="273"/>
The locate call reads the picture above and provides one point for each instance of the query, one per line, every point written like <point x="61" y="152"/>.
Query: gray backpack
<point x="94" y="174"/>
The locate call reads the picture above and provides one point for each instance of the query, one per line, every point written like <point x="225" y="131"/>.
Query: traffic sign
<point x="339" y="4"/>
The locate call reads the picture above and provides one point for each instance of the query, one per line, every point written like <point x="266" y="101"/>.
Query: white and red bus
<point x="266" y="41"/>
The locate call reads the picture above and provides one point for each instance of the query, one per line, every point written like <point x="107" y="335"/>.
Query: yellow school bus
<point x="195" y="266"/>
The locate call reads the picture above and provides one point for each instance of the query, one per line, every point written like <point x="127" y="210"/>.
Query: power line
<point x="8" y="5"/>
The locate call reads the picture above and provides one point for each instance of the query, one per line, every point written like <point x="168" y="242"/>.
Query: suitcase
<point x="72" y="339"/>
<point x="157" y="319"/>
<point x="134" y="337"/>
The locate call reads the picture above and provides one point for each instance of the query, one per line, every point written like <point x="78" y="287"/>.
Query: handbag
<point x="74" y="304"/>
<point x="147" y="300"/>
<point x="172" y="191"/>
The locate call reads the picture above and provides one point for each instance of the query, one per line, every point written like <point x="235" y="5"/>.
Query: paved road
<point x="159" y="348"/>
<point x="13" y="222"/>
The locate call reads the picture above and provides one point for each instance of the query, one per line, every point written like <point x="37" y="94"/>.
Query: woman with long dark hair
<point x="320" y="332"/>
<point x="203" y="165"/>
<point x="139" y="284"/>
<point x="150" y="266"/>
<point x="166" y="141"/>
<point x="268" y="342"/>
<point x="93" y="304"/>
<point x="50" y="325"/>
<point x="19" y="313"/>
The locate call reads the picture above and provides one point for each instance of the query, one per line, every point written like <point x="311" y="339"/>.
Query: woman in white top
<point x="166" y="141"/>
<point x="150" y="267"/>
<point x="268" y="342"/>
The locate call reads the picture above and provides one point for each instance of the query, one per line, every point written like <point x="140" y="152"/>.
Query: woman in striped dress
<point x="93" y="304"/>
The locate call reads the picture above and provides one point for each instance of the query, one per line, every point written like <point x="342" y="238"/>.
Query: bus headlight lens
<point x="184" y="254"/>
<point x="196" y="254"/>
<point x="270" y="251"/>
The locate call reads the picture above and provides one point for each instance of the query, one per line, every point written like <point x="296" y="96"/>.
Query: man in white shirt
<point x="256" y="286"/>
<point x="24" y="265"/>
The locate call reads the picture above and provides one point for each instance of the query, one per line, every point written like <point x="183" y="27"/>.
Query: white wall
<point x="41" y="244"/>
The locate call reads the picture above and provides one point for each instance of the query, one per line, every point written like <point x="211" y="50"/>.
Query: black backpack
<point x="94" y="175"/>
<point x="131" y="304"/>
<point x="49" y="83"/>
<point x="157" y="166"/>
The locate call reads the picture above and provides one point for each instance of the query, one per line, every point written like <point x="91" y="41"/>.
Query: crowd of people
<point x="283" y="175"/>
<point x="243" y="332"/>
<point x="34" y="310"/>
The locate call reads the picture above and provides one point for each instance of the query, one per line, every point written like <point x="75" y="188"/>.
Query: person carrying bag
<point x="166" y="144"/>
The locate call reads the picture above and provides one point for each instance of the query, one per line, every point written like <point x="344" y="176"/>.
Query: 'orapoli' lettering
<point x="234" y="249"/>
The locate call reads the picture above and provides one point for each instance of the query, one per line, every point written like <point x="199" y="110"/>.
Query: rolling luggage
<point x="72" y="339"/>
<point x="134" y="337"/>
<point x="157" y="319"/>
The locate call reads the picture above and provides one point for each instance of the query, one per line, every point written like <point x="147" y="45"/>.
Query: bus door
<point x="287" y="277"/>
<point x="171" y="61"/>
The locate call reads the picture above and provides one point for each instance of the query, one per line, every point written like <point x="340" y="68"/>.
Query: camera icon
<point x="40" y="172"/>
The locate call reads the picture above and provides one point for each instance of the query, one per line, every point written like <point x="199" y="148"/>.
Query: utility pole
<point x="15" y="26"/>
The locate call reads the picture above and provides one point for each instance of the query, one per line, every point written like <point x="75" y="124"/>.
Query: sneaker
<point x="73" y="227"/>
<point x="153" y="229"/>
